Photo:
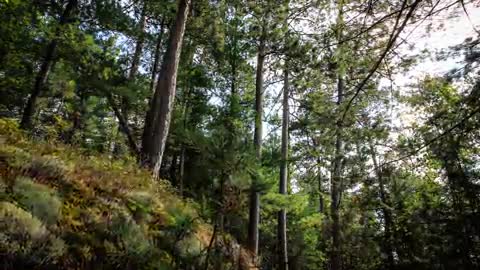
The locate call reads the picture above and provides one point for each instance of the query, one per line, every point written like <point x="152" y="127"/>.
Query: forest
<point x="240" y="134"/>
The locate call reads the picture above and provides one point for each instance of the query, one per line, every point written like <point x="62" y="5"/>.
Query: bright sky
<point x="456" y="29"/>
<point x="449" y="28"/>
<point x="457" y="26"/>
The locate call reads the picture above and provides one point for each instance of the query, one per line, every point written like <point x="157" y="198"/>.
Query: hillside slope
<point x="62" y="209"/>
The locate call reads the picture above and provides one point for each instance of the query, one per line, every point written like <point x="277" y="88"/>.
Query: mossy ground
<point x="60" y="208"/>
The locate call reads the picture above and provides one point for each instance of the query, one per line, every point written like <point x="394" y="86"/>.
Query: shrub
<point x="39" y="199"/>
<point x="45" y="168"/>
<point x="9" y="128"/>
<point x="140" y="204"/>
<point x="3" y="189"/>
<point x="113" y="215"/>
<point x="189" y="247"/>
<point x="25" y="240"/>
<point x="132" y="245"/>
<point x="14" y="157"/>
<point x="130" y="235"/>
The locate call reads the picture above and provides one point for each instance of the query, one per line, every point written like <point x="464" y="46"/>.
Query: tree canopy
<point x="301" y="129"/>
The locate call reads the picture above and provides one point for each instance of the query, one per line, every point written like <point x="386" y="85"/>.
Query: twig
<point x="393" y="37"/>
<point x="433" y="139"/>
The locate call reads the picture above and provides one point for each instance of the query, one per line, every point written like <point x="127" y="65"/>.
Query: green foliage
<point x="140" y="205"/>
<point x="45" y="168"/>
<point x="407" y="155"/>
<point x="40" y="200"/>
<point x="25" y="240"/>
<point x="130" y="237"/>
<point x="67" y="209"/>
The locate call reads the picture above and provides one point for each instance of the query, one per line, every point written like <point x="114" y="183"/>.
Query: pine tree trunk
<point x="185" y="111"/>
<point x="254" y="209"/>
<point x="173" y="169"/>
<point x="464" y="198"/>
<point x="139" y="45"/>
<point x="123" y="127"/>
<point x="181" y="171"/>
<point x="257" y="139"/>
<point x="183" y="147"/>
<point x="122" y="113"/>
<point x="156" y="58"/>
<point x="321" y="201"/>
<point x="388" y="222"/>
<point x="282" y="215"/>
<point x="78" y="117"/>
<point x="338" y="162"/>
<point x="336" y="186"/>
<point x="45" y="68"/>
<point x="157" y="121"/>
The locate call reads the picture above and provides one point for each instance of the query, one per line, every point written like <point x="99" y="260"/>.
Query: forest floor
<point x="66" y="209"/>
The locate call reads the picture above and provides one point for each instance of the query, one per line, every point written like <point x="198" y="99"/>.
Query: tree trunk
<point x="336" y="186"/>
<point x="336" y="180"/>
<point x="321" y="201"/>
<point x="157" y="121"/>
<point x="173" y="169"/>
<point x="186" y="98"/>
<point x="45" y="68"/>
<point x="156" y="58"/>
<point x="282" y="215"/>
<point x="183" y="146"/>
<point x="181" y="171"/>
<point x="463" y="196"/>
<point x="78" y="117"/>
<point x="139" y="45"/>
<point x="388" y="237"/>
<point x="254" y="209"/>
<point x="257" y="139"/>
<point x="124" y="126"/>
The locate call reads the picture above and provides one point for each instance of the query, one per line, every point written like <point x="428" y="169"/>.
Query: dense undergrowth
<point x="61" y="208"/>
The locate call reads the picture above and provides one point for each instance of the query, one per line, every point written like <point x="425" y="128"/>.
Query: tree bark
<point x="185" y="111"/>
<point x="122" y="113"/>
<point x="282" y="215"/>
<point x="254" y="209"/>
<point x="388" y="222"/>
<point x="157" y="121"/>
<point x="181" y="170"/>
<point x="78" y="117"/>
<point x="336" y="180"/>
<point x="123" y="126"/>
<point x="336" y="187"/>
<point x="257" y="139"/>
<point x="183" y="147"/>
<point x="321" y="201"/>
<point x="45" y="67"/>
<point x="139" y="45"/>
<point x="173" y="169"/>
<point x="464" y="198"/>
<point x="156" y="58"/>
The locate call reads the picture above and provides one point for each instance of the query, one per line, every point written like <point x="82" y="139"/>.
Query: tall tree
<point x="283" y="181"/>
<point x="46" y="65"/>
<point x="385" y="206"/>
<point x="282" y="215"/>
<point x="336" y="179"/>
<point x="254" y="211"/>
<point x="140" y="42"/>
<point x="157" y="121"/>
<point x="156" y="57"/>
<point x="121" y="112"/>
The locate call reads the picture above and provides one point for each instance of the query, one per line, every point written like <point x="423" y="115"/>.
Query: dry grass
<point x="112" y="213"/>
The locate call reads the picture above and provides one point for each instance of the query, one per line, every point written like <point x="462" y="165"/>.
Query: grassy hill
<point x="63" y="209"/>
